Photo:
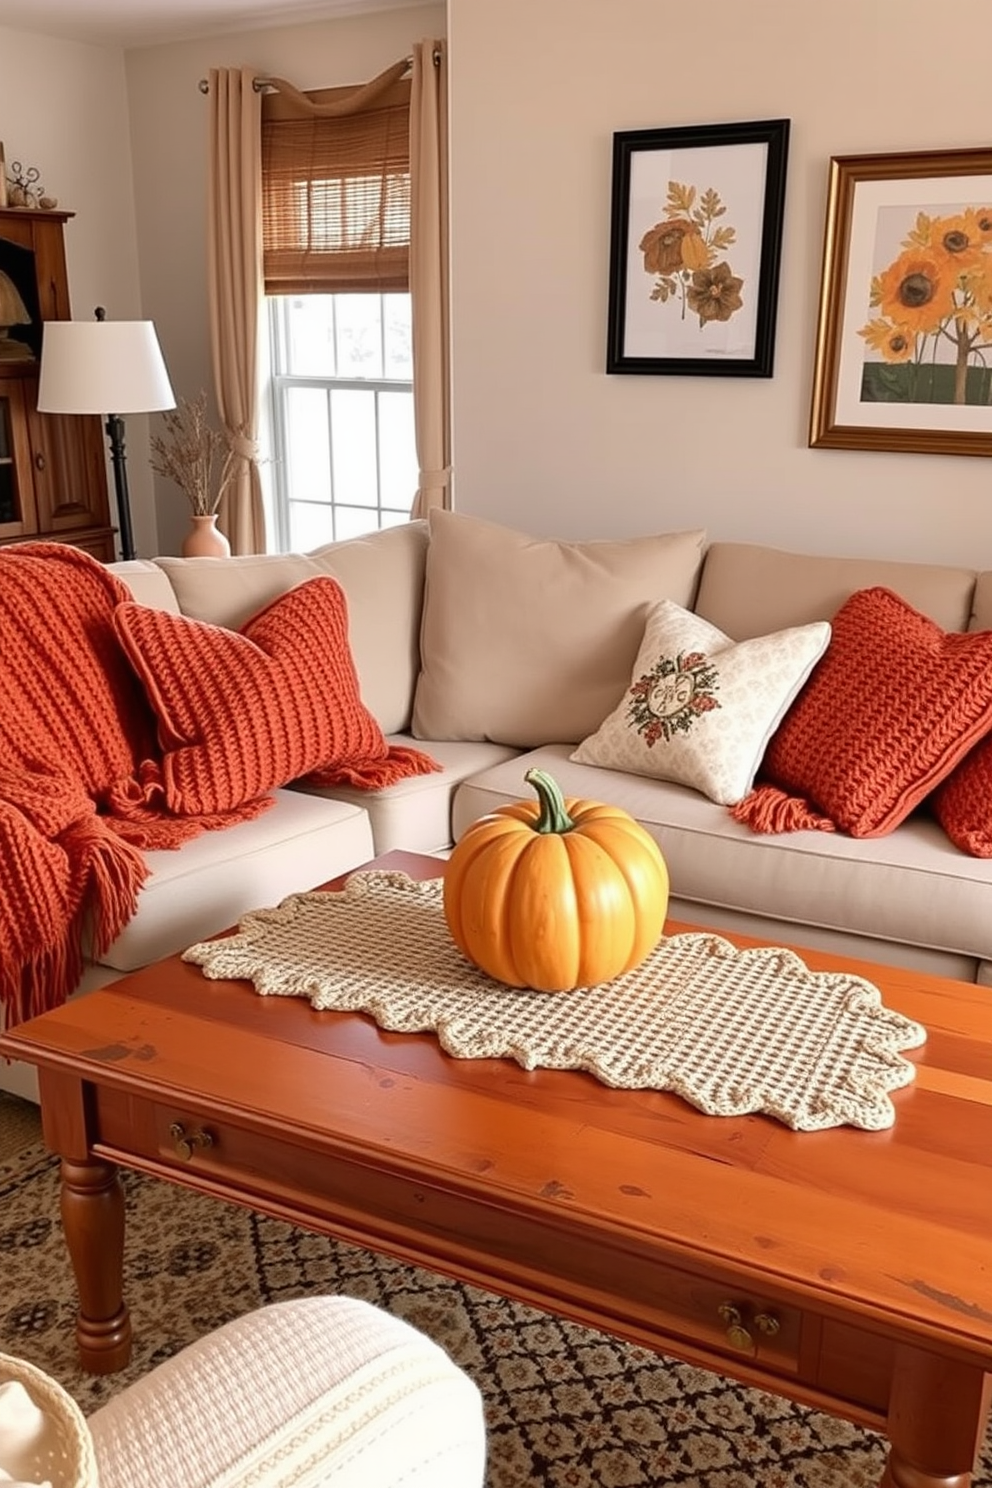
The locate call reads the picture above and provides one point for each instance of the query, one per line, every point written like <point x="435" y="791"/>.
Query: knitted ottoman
<point x="323" y="1390"/>
<point x="44" y="1437"/>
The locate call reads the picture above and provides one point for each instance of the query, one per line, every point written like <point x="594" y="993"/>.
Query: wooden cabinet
<point x="18" y="513"/>
<point x="53" y="474"/>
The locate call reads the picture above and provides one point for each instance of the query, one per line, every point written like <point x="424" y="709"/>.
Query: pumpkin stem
<point x="554" y="817"/>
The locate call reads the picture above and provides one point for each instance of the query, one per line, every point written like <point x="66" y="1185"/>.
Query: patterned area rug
<point x="566" y="1407"/>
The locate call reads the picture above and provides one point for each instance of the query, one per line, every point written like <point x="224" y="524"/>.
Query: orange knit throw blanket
<point x="80" y="782"/>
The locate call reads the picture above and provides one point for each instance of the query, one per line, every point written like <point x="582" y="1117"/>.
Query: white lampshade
<point x="102" y="366"/>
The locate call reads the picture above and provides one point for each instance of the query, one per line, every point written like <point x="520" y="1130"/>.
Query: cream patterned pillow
<point x="701" y="708"/>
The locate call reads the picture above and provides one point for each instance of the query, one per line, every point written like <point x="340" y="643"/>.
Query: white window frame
<point x="280" y="381"/>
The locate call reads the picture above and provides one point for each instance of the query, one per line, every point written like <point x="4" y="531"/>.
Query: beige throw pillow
<point x="701" y="708"/>
<point x="527" y="641"/>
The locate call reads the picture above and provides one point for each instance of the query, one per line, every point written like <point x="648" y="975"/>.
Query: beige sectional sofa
<point x="494" y="652"/>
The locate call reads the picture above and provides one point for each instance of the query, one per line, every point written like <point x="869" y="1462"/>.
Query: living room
<point x="543" y="439"/>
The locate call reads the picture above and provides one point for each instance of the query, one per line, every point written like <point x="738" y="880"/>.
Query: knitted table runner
<point x="730" y="1031"/>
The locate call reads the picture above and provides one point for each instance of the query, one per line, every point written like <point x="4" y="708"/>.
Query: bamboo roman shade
<point x="336" y="191"/>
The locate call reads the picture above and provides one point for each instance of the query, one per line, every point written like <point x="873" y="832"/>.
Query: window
<point x="336" y="238"/>
<point x="345" y="460"/>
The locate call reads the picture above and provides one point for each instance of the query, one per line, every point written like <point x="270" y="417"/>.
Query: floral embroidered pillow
<point x="701" y="708"/>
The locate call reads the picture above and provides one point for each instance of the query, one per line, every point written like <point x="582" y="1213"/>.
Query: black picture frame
<point x="686" y="202"/>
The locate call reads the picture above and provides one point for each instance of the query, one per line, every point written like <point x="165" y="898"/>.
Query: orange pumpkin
<point x="555" y="894"/>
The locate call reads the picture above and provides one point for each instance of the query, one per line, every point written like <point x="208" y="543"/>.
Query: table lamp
<point x="92" y="366"/>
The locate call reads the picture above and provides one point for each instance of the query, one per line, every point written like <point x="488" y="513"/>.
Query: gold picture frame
<point x="904" y="332"/>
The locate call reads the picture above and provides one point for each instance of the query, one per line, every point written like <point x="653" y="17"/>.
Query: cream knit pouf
<point x="322" y="1390"/>
<point x="44" y="1437"/>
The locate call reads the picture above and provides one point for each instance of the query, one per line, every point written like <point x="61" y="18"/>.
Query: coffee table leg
<point x="93" y="1220"/>
<point x="937" y="1413"/>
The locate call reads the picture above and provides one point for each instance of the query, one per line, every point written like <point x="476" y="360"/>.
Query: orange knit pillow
<point x="891" y="708"/>
<point x="963" y="804"/>
<point x="240" y="712"/>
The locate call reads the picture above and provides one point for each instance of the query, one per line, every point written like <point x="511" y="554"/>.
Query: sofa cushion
<point x="889" y="711"/>
<point x="382" y="576"/>
<point x="148" y="583"/>
<point x="700" y="708"/>
<point x="525" y="639"/>
<point x="981" y="609"/>
<point x="909" y="890"/>
<point x="963" y="803"/>
<point x="242" y="711"/>
<point x="229" y="591"/>
<point x="202" y="889"/>
<point x="415" y="813"/>
<point x="748" y="590"/>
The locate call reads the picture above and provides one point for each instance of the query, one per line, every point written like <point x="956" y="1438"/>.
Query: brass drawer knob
<point x="737" y="1335"/>
<point x="186" y="1143"/>
<point x="738" y="1329"/>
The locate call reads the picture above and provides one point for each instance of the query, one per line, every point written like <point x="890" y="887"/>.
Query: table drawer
<point x="732" y="1320"/>
<point x="548" y="1260"/>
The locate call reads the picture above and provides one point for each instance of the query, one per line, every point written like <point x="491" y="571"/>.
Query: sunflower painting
<point x="683" y="255"/>
<point x="928" y="336"/>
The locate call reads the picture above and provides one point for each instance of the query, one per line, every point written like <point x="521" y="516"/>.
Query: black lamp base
<point x="115" y="433"/>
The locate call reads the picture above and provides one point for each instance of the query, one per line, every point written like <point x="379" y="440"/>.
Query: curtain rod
<point x="279" y="85"/>
<point x="259" y="84"/>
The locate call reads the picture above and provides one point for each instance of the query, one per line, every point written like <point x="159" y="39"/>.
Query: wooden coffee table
<point x="847" y="1270"/>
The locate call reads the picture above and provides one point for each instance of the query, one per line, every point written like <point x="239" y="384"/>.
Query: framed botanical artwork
<point x="904" y="335"/>
<point x="695" y="243"/>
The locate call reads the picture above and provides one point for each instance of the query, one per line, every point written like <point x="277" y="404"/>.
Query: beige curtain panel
<point x="234" y="278"/>
<point x="429" y="273"/>
<point x="340" y="190"/>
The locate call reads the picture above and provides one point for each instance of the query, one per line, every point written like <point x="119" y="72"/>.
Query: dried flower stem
<point x="198" y="458"/>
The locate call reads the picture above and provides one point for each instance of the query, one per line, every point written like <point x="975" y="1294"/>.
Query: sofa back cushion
<point x="748" y="590"/>
<point x="981" y="610"/>
<point x="527" y="641"/>
<point x="147" y="583"/>
<point x="382" y="576"/>
<point x="229" y="591"/>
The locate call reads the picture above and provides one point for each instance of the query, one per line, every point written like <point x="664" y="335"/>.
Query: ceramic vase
<point x="205" y="540"/>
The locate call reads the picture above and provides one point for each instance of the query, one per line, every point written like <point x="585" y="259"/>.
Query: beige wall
<point x="64" y="109"/>
<point x="169" y="125"/>
<point x="544" y="439"/>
